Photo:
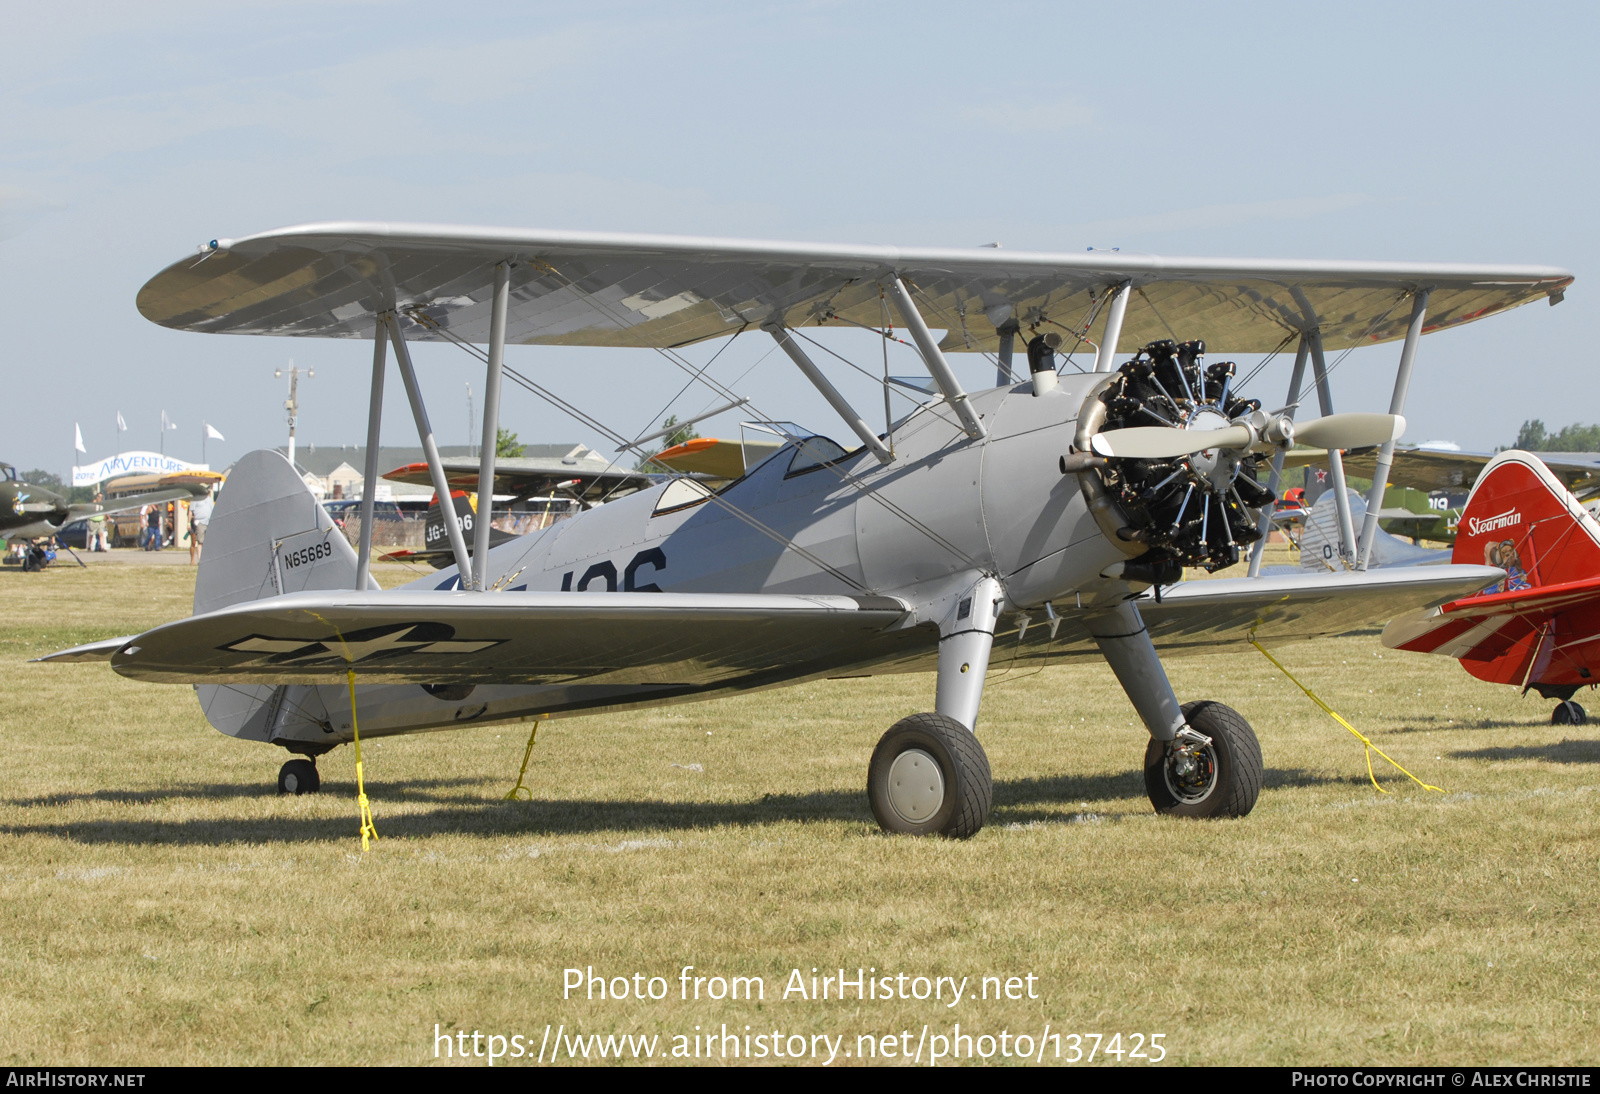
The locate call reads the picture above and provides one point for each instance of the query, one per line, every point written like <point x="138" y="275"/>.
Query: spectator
<point x="98" y="540"/>
<point x="199" y="517"/>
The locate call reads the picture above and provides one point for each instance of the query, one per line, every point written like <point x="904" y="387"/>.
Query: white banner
<point x="132" y="463"/>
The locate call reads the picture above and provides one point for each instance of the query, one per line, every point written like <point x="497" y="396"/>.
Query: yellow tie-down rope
<point x="1371" y="748"/>
<point x="368" y="831"/>
<point x="516" y="792"/>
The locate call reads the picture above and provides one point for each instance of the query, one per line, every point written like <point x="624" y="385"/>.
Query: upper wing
<point x="574" y="288"/>
<point x="527" y="477"/>
<point x="508" y="638"/>
<point x="154" y="497"/>
<point x="1430" y="469"/>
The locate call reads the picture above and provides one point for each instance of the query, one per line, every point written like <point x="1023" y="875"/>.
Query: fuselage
<point x="811" y="519"/>
<point x="30" y="512"/>
<point x="802" y="522"/>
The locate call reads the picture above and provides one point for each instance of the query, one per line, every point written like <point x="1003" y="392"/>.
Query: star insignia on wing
<point x="371" y="643"/>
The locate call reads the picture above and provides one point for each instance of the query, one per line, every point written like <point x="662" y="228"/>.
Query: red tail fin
<point x="1521" y="519"/>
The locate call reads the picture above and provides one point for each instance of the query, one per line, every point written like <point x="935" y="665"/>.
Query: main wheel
<point x="1568" y="714"/>
<point x="298" y="777"/>
<point x="1221" y="779"/>
<point x="929" y="776"/>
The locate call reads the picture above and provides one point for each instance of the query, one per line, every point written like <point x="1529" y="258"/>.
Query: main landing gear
<point x="1212" y="768"/>
<point x="299" y="777"/>
<point x="1203" y="759"/>
<point x="929" y="776"/>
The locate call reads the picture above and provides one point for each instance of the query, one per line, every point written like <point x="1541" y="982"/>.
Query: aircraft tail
<point x="1520" y="630"/>
<point x="1520" y="518"/>
<point x="268" y="536"/>
<point x="436" y="550"/>
<point x="1319" y="540"/>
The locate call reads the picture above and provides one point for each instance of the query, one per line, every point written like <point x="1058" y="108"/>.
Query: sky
<point x="1452" y="132"/>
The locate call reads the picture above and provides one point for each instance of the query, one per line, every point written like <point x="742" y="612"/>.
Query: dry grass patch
<point x="164" y="905"/>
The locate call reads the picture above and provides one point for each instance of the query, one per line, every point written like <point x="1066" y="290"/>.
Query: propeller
<point x="1159" y="442"/>
<point x="1350" y="430"/>
<point x="1332" y="431"/>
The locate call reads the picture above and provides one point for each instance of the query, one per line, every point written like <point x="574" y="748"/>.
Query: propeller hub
<point x="1214" y="467"/>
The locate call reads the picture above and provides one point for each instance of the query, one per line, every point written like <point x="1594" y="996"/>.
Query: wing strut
<point x="1341" y="499"/>
<point x="934" y="359"/>
<point x="369" y="487"/>
<point x="441" y="485"/>
<point x="829" y="392"/>
<point x="1265" y="527"/>
<point x="1007" y="331"/>
<point x="491" y="429"/>
<point x="1108" y="340"/>
<point x="1397" y="403"/>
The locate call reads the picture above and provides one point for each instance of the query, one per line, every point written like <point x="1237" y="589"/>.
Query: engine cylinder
<point x="1198" y="509"/>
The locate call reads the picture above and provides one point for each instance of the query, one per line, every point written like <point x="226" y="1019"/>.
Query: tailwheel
<point x="1212" y="768"/>
<point x="298" y="777"/>
<point x="929" y="776"/>
<point x="1568" y="714"/>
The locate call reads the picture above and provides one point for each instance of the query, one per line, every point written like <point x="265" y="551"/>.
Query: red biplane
<point x="1539" y="628"/>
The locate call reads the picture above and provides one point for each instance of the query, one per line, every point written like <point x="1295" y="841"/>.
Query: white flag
<point x="120" y="423"/>
<point x="166" y="422"/>
<point x="77" y="438"/>
<point x="212" y="434"/>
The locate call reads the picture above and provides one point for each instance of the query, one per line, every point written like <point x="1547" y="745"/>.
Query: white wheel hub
<point x="916" y="786"/>
<point x="291" y="782"/>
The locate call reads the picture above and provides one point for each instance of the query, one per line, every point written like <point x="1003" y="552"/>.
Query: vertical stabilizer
<point x="1319" y="540"/>
<point x="268" y="536"/>
<point x="1521" y="519"/>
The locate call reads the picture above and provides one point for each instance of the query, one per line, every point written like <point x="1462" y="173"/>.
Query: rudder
<point x="1520" y="518"/>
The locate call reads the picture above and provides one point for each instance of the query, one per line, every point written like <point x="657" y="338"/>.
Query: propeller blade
<point x="1350" y="430"/>
<point x="1155" y="442"/>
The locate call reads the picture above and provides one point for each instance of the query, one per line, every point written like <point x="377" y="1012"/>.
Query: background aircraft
<point x="518" y="479"/>
<point x="1539" y="627"/>
<point x="29" y="512"/>
<point x="1318" y="540"/>
<point x="1049" y="517"/>
<point x="1433" y="483"/>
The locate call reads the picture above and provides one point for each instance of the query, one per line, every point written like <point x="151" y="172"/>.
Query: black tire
<point x="299" y="777"/>
<point x="956" y="801"/>
<point x="1568" y="714"/>
<point x="1228" y="779"/>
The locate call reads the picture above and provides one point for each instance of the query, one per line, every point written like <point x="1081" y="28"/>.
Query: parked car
<point x="75" y="535"/>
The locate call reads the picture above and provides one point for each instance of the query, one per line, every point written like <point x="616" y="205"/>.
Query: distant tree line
<point x="1532" y="437"/>
<point x="52" y="482"/>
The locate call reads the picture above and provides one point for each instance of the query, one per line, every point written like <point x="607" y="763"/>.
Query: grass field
<point x="163" y="905"/>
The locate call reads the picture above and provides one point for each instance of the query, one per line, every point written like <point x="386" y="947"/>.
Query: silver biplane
<point x="1047" y="517"/>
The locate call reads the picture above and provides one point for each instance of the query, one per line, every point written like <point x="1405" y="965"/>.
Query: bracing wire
<point x="593" y="423"/>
